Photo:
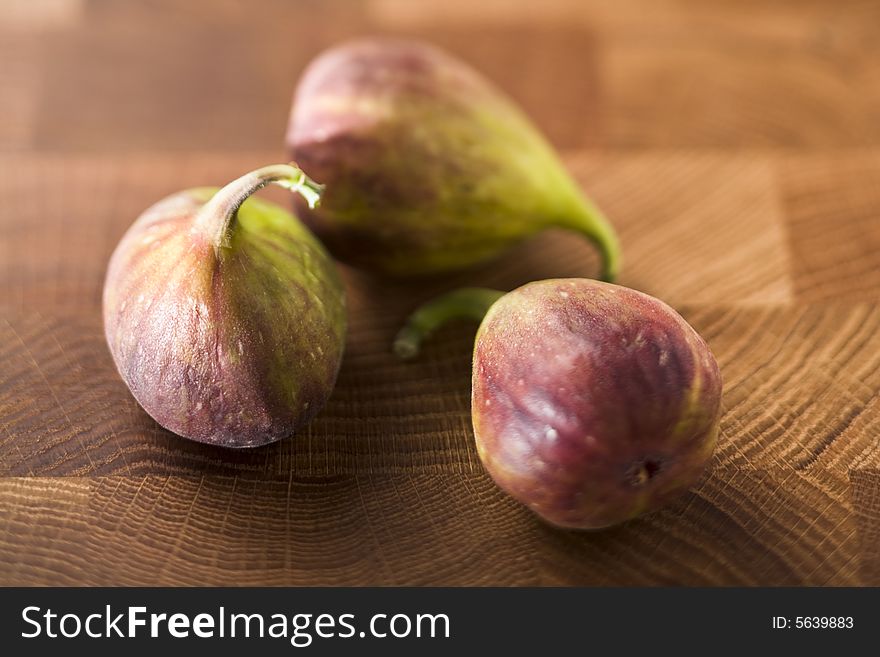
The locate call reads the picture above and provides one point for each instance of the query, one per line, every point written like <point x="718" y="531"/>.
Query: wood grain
<point x="833" y="205"/>
<point x="800" y="386"/>
<point x="741" y="527"/>
<point x="747" y="527"/>
<point x="697" y="73"/>
<point x="866" y="503"/>
<point x="737" y="151"/>
<point x="42" y="526"/>
<point x="677" y="213"/>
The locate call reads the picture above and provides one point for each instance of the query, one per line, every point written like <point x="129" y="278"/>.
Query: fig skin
<point x="224" y="315"/>
<point x="592" y="403"/>
<point x="428" y="167"/>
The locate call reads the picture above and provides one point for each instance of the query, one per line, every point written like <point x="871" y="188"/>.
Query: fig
<point x="224" y="315"/>
<point x="592" y="403"/>
<point x="428" y="167"/>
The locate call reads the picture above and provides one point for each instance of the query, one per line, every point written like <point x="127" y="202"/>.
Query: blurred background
<point x="100" y="75"/>
<point x="735" y="146"/>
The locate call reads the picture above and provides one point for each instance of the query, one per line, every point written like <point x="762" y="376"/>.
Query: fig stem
<point x="217" y="217"/>
<point x="466" y="303"/>
<point x="592" y="223"/>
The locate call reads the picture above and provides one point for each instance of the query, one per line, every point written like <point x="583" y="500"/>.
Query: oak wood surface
<point x="736" y="147"/>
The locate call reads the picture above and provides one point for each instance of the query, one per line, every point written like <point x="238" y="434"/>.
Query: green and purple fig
<point x="592" y="403"/>
<point x="224" y="315"/>
<point x="428" y="167"/>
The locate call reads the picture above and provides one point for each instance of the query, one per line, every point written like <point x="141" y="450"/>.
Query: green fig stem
<point x="466" y="303"/>
<point x="217" y="217"/>
<point x="592" y="223"/>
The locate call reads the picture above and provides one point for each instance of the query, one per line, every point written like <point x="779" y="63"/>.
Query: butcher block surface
<point x="735" y="146"/>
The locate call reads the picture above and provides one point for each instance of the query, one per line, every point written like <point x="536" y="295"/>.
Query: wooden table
<point x="736" y="146"/>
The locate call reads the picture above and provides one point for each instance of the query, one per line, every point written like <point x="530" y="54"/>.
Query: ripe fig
<point x="591" y="403"/>
<point x="428" y="167"/>
<point x="224" y="315"/>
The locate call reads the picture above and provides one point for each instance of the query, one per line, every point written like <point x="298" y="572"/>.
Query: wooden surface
<point x="736" y="146"/>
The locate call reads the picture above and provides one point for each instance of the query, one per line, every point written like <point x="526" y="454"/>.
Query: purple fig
<point x="591" y="403"/>
<point x="224" y="315"/>
<point x="428" y="167"/>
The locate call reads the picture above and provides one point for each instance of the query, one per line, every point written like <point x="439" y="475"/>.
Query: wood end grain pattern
<point x="737" y="152"/>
